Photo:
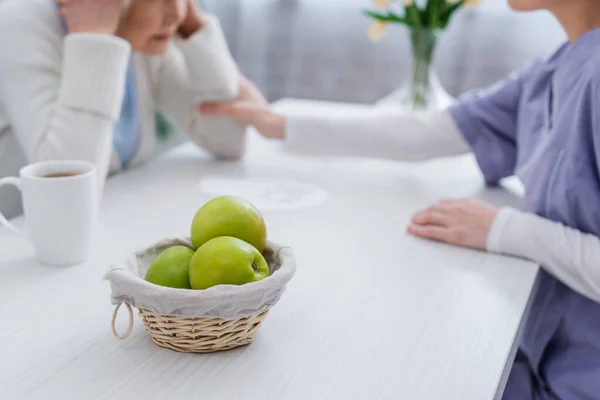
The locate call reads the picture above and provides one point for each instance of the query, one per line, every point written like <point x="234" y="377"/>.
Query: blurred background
<point x="319" y="49"/>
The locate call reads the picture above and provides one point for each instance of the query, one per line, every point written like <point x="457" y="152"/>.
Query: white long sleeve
<point x="201" y="68"/>
<point x="570" y="255"/>
<point x="376" y="132"/>
<point x="61" y="101"/>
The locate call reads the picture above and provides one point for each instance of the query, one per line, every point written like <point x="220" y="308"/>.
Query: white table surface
<point x="372" y="312"/>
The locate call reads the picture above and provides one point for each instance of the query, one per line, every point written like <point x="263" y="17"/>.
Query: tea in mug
<point x="61" y="174"/>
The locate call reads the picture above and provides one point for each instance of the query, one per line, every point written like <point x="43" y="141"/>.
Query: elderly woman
<point x="106" y="80"/>
<point x="541" y="124"/>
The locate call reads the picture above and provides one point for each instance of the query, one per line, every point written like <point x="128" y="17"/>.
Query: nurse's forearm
<point x="570" y="255"/>
<point x="381" y="133"/>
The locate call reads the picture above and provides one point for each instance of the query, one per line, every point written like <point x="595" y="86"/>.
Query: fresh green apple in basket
<point x="229" y="216"/>
<point x="171" y="268"/>
<point x="226" y="260"/>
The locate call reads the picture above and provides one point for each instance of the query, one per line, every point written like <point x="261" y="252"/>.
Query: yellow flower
<point x="377" y="30"/>
<point x="382" y="4"/>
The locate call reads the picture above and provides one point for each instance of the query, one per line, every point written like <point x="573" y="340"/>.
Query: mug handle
<point x="3" y="221"/>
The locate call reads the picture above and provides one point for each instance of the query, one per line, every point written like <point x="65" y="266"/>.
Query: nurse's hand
<point x="194" y="20"/>
<point x="464" y="223"/>
<point x="91" y="16"/>
<point x="249" y="109"/>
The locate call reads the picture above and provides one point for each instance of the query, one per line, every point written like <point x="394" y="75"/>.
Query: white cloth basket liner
<point x="223" y="301"/>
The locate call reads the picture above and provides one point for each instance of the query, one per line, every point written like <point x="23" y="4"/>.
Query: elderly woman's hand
<point x="463" y="223"/>
<point x="250" y="108"/>
<point x="93" y="16"/>
<point x="194" y="20"/>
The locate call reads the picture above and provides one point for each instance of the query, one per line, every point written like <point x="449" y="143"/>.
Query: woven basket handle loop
<point x="130" y="325"/>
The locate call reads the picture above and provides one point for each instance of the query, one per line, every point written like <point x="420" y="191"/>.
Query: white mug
<point x="60" y="203"/>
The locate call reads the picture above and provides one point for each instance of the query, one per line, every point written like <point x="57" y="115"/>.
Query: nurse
<point x="541" y="124"/>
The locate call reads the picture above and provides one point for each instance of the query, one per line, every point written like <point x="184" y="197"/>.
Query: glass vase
<point x="422" y="88"/>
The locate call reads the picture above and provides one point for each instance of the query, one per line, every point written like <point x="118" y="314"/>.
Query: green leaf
<point x="414" y="16"/>
<point x="389" y="17"/>
<point x="432" y="12"/>
<point x="449" y="11"/>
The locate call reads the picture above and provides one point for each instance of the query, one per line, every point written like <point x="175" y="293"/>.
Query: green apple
<point x="229" y="216"/>
<point x="171" y="268"/>
<point x="226" y="261"/>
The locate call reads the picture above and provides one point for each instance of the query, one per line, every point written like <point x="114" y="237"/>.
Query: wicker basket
<point x="196" y="334"/>
<point x="201" y="335"/>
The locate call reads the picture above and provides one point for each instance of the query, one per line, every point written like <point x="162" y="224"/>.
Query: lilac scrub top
<point x="543" y="125"/>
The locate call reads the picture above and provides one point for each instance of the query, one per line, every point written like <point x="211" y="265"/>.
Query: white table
<point x="371" y="314"/>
